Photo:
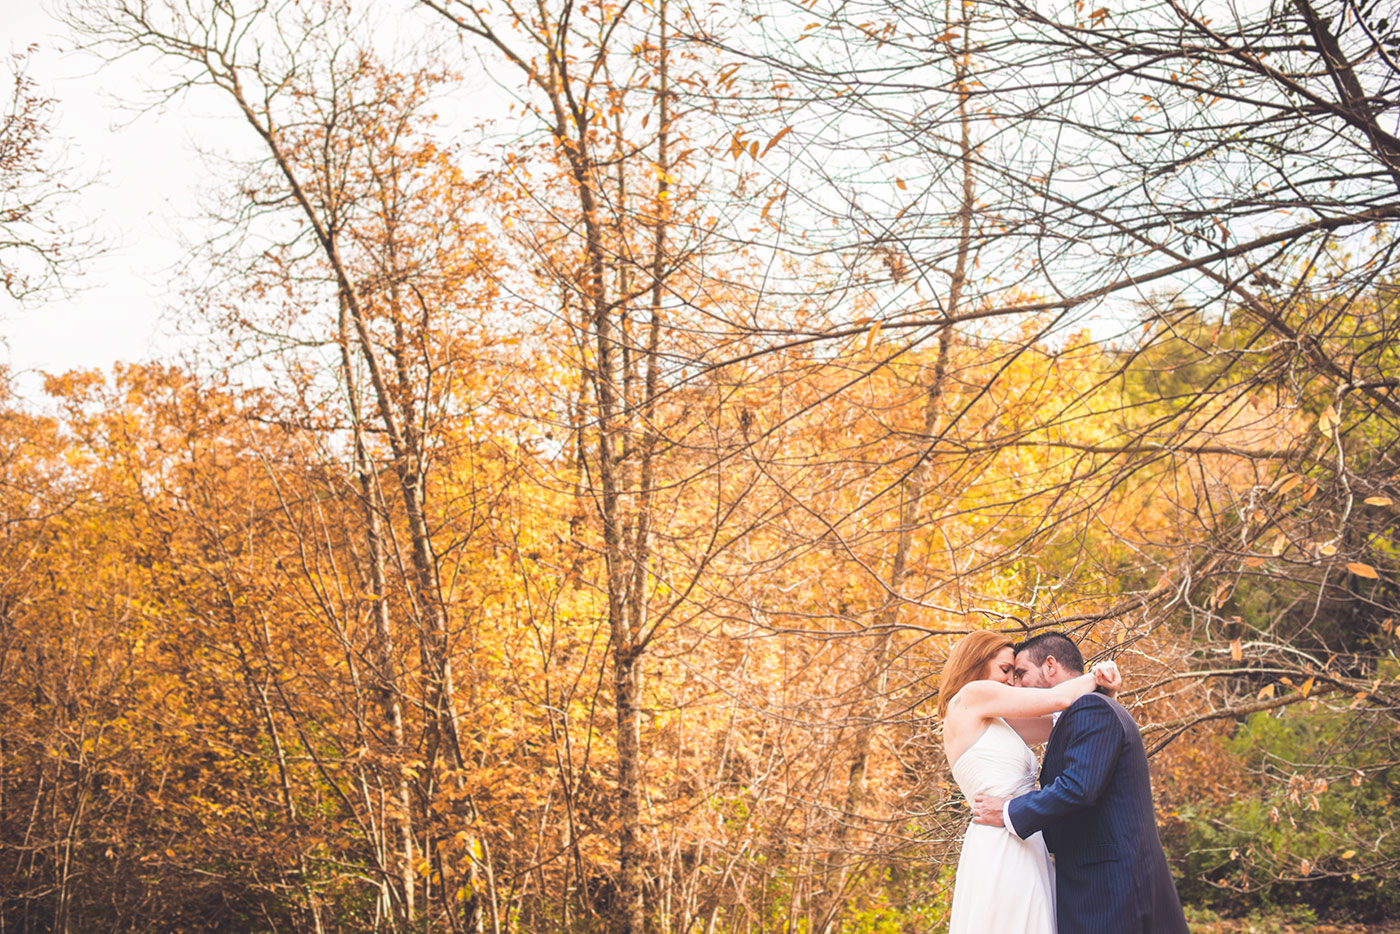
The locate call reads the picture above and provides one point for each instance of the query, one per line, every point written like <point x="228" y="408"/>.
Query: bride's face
<point x="1002" y="667"/>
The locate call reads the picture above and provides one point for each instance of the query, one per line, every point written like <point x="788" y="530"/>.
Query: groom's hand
<point x="986" y="809"/>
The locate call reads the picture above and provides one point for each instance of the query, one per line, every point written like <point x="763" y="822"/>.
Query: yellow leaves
<point x="1349" y="854"/>
<point x="1362" y="570"/>
<point x="1307" y="687"/>
<point x="1267" y="692"/>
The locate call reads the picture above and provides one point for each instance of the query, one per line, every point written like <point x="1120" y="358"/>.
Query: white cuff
<point x="1006" y="817"/>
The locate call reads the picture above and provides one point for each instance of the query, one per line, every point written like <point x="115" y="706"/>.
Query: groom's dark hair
<point x="1041" y="647"/>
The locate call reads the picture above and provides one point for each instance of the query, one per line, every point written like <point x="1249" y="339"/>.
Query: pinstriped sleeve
<point x="1090" y="757"/>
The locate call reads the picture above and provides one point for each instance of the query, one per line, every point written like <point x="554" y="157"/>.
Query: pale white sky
<point x="143" y="200"/>
<point x="152" y="173"/>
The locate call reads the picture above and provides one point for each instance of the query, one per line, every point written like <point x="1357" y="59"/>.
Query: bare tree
<point x="37" y="250"/>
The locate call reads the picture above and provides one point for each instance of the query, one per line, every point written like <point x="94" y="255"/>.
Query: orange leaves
<point x="1096" y="18"/>
<point x="738" y="145"/>
<point x="726" y="78"/>
<point x="871" y="337"/>
<point x="1362" y="570"/>
<point x="775" y="140"/>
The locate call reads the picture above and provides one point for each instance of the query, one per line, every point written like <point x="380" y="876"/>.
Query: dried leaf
<point x="1378" y="501"/>
<point x="774" y="141"/>
<point x="1362" y="570"/>
<point x="1237" y="650"/>
<point x="1327" y="420"/>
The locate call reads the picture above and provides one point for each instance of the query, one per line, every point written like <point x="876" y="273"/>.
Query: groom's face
<point x="1031" y="675"/>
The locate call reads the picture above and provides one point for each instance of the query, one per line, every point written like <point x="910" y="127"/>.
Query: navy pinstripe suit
<point x="1094" y="807"/>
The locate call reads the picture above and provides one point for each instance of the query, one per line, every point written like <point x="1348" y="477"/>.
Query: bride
<point x="1004" y="884"/>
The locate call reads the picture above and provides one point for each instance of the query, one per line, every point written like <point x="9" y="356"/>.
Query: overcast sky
<point x="146" y="173"/>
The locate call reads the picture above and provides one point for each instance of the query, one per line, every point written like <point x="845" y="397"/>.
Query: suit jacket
<point x="1094" y="808"/>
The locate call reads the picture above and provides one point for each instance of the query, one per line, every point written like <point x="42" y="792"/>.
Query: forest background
<point x="565" y="524"/>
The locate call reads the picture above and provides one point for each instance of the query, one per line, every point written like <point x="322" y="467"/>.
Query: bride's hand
<point x="1107" y="676"/>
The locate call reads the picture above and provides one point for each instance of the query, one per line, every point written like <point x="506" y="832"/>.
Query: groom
<point x="1094" y="807"/>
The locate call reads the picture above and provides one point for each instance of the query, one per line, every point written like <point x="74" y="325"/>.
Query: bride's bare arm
<point x="1036" y="730"/>
<point x="987" y="699"/>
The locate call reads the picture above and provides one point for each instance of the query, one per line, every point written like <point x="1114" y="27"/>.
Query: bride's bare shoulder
<point x="974" y="692"/>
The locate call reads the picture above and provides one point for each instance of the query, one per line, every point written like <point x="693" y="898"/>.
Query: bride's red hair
<point x="968" y="662"/>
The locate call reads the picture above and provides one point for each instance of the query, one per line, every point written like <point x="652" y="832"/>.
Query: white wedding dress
<point x="1005" y="885"/>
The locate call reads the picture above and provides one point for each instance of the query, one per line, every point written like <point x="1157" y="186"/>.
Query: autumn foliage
<point x="564" y="534"/>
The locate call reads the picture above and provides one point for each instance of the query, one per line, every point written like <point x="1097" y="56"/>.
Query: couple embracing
<point x="1093" y="810"/>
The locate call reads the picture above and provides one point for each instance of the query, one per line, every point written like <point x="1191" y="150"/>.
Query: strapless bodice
<point x="998" y="763"/>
